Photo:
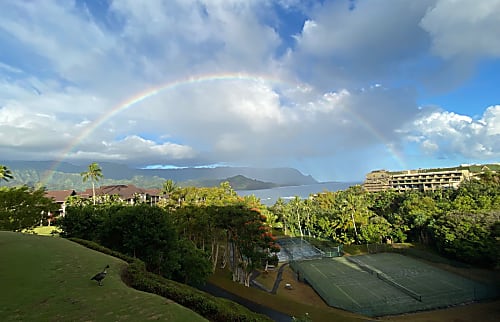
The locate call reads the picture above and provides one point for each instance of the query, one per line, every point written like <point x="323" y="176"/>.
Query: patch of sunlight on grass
<point x="47" y="230"/>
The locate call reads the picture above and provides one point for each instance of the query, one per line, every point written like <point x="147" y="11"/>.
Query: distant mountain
<point x="238" y="182"/>
<point x="65" y="175"/>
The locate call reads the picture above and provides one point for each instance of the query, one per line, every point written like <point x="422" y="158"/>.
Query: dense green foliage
<point x="141" y="231"/>
<point x="469" y="237"/>
<point x="23" y="208"/>
<point x="462" y="224"/>
<point x="229" y="227"/>
<point x="185" y="236"/>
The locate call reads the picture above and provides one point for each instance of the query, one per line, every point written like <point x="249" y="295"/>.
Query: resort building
<point x="127" y="193"/>
<point x="423" y="179"/>
<point x="60" y="197"/>
<point x="378" y="180"/>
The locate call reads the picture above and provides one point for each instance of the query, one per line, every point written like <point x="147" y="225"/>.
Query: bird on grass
<point x="100" y="276"/>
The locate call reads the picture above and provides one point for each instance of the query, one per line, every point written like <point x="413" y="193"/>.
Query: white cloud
<point x="145" y="149"/>
<point x="195" y="36"/>
<point x="55" y="32"/>
<point x="345" y="48"/>
<point x="334" y="98"/>
<point x="10" y="69"/>
<point x="449" y="134"/>
<point x="29" y="133"/>
<point x="463" y="34"/>
<point x="464" y="28"/>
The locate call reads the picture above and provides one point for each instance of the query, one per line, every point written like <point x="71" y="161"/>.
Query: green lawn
<point x="44" y="230"/>
<point x="48" y="279"/>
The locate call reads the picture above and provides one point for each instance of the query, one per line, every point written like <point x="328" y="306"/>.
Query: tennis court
<point x="294" y="249"/>
<point x="387" y="283"/>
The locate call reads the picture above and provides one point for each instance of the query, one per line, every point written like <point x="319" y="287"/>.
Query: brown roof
<point x="85" y="194"/>
<point x="153" y="192"/>
<point x="125" y="192"/>
<point x="59" y="195"/>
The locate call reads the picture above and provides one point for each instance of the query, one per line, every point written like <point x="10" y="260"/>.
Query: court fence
<point x="297" y="249"/>
<point x="404" y="284"/>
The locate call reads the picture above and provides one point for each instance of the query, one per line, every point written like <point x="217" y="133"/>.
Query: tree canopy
<point x="23" y="208"/>
<point x="461" y="224"/>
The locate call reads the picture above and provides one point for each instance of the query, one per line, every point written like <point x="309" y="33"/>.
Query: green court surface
<point x="387" y="283"/>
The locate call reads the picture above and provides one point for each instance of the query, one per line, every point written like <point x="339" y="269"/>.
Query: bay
<point x="268" y="197"/>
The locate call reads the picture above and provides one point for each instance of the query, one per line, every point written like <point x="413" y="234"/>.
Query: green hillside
<point x="60" y="180"/>
<point x="238" y="182"/>
<point x="48" y="279"/>
<point x="62" y="175"/>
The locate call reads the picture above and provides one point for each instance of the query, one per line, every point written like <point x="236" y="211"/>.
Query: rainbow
<point x="150" y="92"/>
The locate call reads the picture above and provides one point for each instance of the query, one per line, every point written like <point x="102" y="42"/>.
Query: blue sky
<point x="334" y="88"/>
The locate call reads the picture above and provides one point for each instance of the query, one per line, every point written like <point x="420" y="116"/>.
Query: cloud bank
<point x="332" y="88"/>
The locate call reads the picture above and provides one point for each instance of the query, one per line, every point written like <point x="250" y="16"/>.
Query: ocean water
<point x="268" y="197"/>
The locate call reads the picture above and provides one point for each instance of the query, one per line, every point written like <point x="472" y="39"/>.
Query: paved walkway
<point x="256" y="284"/>
<point x="273" y="314"/>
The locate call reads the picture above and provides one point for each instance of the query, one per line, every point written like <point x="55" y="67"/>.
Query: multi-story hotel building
<point x="414" y="180"/>
<point x="422" y="179"/>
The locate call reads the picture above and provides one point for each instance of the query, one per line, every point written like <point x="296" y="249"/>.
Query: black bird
<point x="100" y="276"/>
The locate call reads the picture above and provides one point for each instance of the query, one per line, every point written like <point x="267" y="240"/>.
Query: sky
<point x="333" y="88"/>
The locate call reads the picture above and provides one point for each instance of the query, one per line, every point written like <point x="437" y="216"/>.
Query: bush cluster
<point x="141" y="231"/>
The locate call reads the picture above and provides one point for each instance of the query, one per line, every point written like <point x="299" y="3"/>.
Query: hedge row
<point x="211" y="307"/>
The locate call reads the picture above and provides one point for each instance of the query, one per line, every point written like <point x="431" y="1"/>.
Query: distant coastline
<point x="269" y="197"/>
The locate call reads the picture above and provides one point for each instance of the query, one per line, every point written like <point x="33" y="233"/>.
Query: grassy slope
<point x="48" y="279"/>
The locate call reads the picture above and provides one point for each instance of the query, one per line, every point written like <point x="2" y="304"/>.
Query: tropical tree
<point x="469" y="237"/>
<point x="419" y="211"/>
<point x="296" y="206"/>
<point x="169" y="186"/>
<point x="195" y="267"/>
<point x="376" y="231"/>
<point x="94" y="173"/>
<point x="5" y="173"/>
<point x="278" y="210"/>
<point x="250" y="241"/>
<point x="354" y="209"/>
<point x="386" y="204"/>
<point x="326" y="212"/>
<point x="23" y="208"/>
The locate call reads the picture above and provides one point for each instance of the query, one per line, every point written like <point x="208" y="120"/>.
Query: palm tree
<point x="94" y="173"/>
<point x="5" y="173"/>
<point x="354" y="208"/>
<point x="169" y="187"/>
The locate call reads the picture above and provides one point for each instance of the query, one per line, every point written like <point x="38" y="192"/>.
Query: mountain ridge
<point x="65" y="173"/>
